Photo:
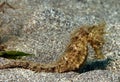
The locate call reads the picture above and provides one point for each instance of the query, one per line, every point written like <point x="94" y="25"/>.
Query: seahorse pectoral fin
<point x="101" y="56"/>
<point x="98" y="54"/>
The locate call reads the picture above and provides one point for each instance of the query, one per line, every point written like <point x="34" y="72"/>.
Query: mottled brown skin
<point x="75" y="54"/>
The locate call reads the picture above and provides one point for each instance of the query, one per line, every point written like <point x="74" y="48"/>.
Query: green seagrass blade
<point x="13" y="54"/>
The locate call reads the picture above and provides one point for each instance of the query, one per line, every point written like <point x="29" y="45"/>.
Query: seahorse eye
<point x="74" y="38"/>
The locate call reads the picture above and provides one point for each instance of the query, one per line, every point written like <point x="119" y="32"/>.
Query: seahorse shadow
<point x="95" y="65"/>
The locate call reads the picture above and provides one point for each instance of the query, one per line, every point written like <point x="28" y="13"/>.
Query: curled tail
<point x="10" y="63"/>
<point x="37" y="67"/>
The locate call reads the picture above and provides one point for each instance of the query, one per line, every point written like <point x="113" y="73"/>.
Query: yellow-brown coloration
<point x="75" y="54"/>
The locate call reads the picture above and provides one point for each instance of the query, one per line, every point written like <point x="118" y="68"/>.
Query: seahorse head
<point x="96" y="33"/>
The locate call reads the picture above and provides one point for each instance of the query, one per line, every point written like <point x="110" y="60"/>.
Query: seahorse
<point x="74" y="55"/>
